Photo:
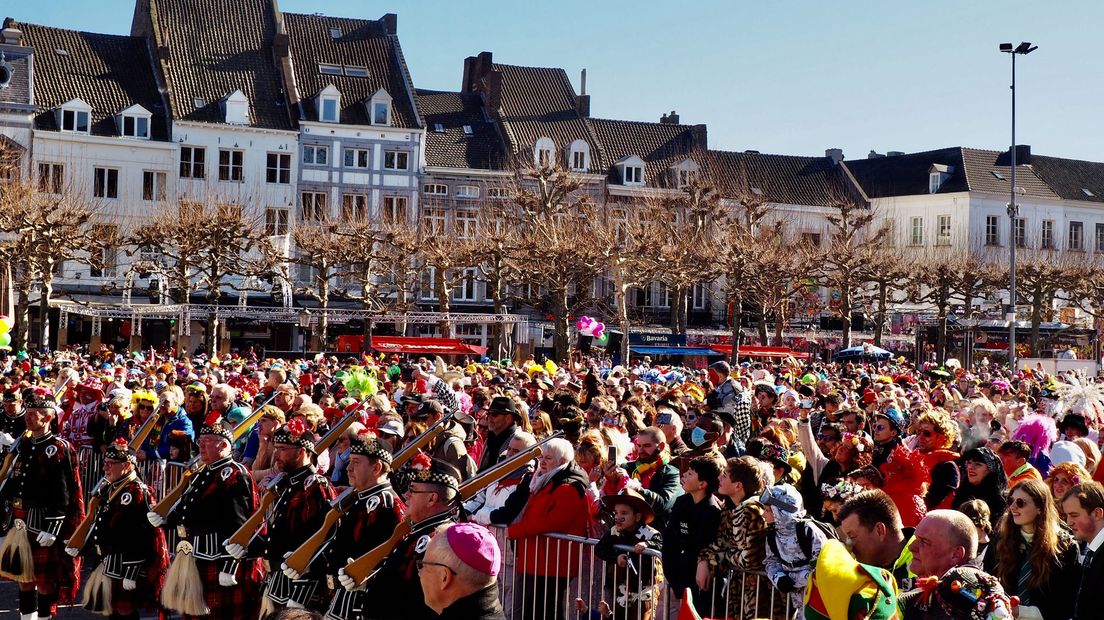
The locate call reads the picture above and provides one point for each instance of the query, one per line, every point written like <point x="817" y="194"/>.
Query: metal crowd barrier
<point x="571" y="581"/>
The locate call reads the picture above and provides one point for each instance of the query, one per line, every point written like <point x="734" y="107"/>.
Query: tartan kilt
<point x="55" y="570"/>
<point x="142" y="598"/>
<point x="236" y="602"/>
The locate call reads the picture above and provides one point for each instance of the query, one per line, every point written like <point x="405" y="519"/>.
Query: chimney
<point x="493" y="93"/>
<point x="836" y="155"/>
<point x="670" y="119"/>
<point x="281" y="46"/>
<point x="390" y="23"/>
<point x="582" y="100"/>
<point x="475" y="69"/>
<point x="699" y="137"/>
<point x="10" y="35"/>
<point x="1023" y="154"/>
<point x="894" y="153"/>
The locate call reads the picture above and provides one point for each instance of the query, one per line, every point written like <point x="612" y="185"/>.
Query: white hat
<point x="1066" y="452"/>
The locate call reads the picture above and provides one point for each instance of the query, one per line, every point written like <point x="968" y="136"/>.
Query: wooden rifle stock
<point x="360" y="568"/>
<point x="143" y="432"/>
<point x="253" y="523"/>
<point x="410" y="450"/>
<point x="498" y="472"/>
<point x="301" y="558"/>
<point x="332" y="435"/>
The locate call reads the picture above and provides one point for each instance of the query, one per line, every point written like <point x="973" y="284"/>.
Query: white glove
<point x="46" y="539"/>
<point x="6" y="440"/>
<point x="129" y="584"/>
<point x="1028" y="612"/>
<point x="235" y="550"/>
<point x="291" y="573"/>
<point x="226" y="580"/>
<point x="155" y="519"/>
<point x="347" y="582"/>
<point x="72" y="551"/>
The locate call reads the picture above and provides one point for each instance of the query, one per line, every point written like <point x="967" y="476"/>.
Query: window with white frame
<point x="943" y="230"/>
<point x="136" y="126"/>
<point x="916" y="231"/>
<point x="1046" y="236"/>
<point x="435" y="189"/>
<point x="231" y="165"/>
<point x="579" y="156"/>
<point x="467" y="191"/>
<point x="662" y="295"/>
<point x="104" y="253"/>
<point x="1100" y="237"/>
<point x="278" y="168"/>
<point x="699" y="296"/>
<point x="1021" y="232"/>
<point x="992" y="230"/>
<point x="498" y="193"/>
<point x="393" y="208"/>
<point x="105" y="182"/>
<point x="935" y="179"/>
<point x="396" y="160"/>
<point x="316" y="155"/>
<point x="633" y="175"/>
<point x="434" y="221"/>
<point x="236" y="109"/>
<point x="356" y="158"/>
<point x="331" y="110"/>
<point x="685" y="177"/>
<point x="379" y="108"/>
<point x="51" y="178"/>
<point x="428" y="288"/>
<point x="314" y="205"/>
<point x="153" y="185"/>
<point x="354" y="207"/>
<point x="467" y="287"/>
<point x="1077" y="236"/>
<point x="76" y="117"/>
<point x="465" y="223"/>
<point x="193" y="162"/>
<point x="543" y="152"/>
<point x="276" y="221"/>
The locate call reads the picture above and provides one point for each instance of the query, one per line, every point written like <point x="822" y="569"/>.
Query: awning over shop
<point x="641" y="350"/>
<point x="425" y="346"/>
<point x="750" y="351"/>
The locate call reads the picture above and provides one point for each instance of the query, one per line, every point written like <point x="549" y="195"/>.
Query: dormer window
<point x="937" y="174"/>
<point x="75" y="116"/>
<point x="134" y="122"/>
<point x="379" y="108"/>
<point x="632" y="170"/>
<point x="542" y="152"/>
<point x="685" y="173"/>
<point x="329" y="105"/>
<point x="578" y="156"/>
<point x="236" y="109"/>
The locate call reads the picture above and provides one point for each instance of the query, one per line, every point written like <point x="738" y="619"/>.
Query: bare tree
<point x="1041" y="276"/>
<point x="941" y="277"/>
<point x="497" y="241"/>
<point x="736" y="240"/>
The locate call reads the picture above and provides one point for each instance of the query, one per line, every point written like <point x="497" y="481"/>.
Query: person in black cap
<point x="12" y="422"/>
<point x="303" y="498"/>
<point x="394" y="591"/>
<point x="503" y="420"/>
<point x="450" y="445"/>
<point x="367" y="523"/>
<point x="133" y="553"/>
<point x="1072" y="426"/>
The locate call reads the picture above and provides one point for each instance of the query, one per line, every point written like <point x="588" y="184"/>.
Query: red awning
<point x="749" y="351"/>
<point x="425" y="346"/>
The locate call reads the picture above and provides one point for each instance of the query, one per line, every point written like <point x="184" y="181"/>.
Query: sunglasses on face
<point x="880" y="427"/>
<point x="1019" y="502"/>
<point x="928" y="433"/>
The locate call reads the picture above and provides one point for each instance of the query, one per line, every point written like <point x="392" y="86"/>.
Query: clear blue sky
<point x="791" y="77"/>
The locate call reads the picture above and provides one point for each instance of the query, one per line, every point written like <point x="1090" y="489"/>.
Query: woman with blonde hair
<point x="1033" y="557"/>
<point x="1062" y="477"/>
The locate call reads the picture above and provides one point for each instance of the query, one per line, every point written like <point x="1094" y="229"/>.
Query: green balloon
<point x="5" y="340"/>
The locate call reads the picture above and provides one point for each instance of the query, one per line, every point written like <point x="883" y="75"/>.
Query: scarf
<point x="644" y="471"/>
<point x="539" y="480"/>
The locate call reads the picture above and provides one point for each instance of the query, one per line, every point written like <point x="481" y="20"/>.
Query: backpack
<point x="804" y="529"/>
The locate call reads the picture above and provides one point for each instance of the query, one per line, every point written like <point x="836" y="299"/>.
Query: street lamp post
<point x="1023" y="48"/>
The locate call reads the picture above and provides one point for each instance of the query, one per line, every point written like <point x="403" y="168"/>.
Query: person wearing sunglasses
<point x="936" y="433"/>
<point x="1033" y="557"/>
<point x="887" y="427"/>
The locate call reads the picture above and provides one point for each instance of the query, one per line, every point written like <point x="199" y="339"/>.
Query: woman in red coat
<point x="557" y="504"/>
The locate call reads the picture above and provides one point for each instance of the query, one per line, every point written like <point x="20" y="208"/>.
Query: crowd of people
<point x="383" y="488"/>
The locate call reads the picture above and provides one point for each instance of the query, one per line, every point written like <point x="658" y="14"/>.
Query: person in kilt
<point x="133" y="554"/>
<point x="219" y="499"/>
<point x="44" y="490"/>
<point x="302" y="501"/>
<point x="368" y="523"/>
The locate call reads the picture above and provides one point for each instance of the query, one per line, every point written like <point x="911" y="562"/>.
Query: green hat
<point x="841" y="587"/>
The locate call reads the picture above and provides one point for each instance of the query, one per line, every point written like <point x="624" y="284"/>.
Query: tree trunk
<point x="779" y="326"/>
<point x="736" y="300"/>
<point x="561" y="343"/>
<point x="499" y="339"/>
<point x="44" y="308"/>
<point x="22" y="331"/>
<point x="941" y="339"/>
<point x="623" y="321"/>
<point x="880" y="315"/>
<point x="845" y="315"/>
<point x="1036" y="319"/>
<point x="763" y="339"/>
<point x="440" y="284"/>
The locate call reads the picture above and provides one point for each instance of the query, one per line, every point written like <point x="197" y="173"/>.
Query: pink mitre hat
<point x="476" y="546"/>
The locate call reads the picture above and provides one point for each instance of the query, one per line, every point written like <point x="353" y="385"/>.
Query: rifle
<point x="80" y="535"/>
<point x="168" y="502"/>
<point x="301" y="558"/>
<point x="363" y="567"/>
<point x="410" y="450"/>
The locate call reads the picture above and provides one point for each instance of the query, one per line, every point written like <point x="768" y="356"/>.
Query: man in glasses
<point x="394" y="592"/>
<point x="459" y="573"/>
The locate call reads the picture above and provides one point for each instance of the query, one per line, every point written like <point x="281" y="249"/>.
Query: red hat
<point x="868" y="396"/>
<point x="476" y="546"/>
<point x="93" y="384"/>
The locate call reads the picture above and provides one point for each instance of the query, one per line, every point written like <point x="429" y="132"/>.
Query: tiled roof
<point x="216" y="47"/>
<point x="1069" y="178"/>
<point x="907" y="175"/>
<point x="108" y="72"/>
<point x="659" y="144"/>
<point x="540" y="102"/>
<point x="781" y="179"/>
<point x="981" y="164"/>
<point x="452" y="147"/>
<point x="363" y="43"/>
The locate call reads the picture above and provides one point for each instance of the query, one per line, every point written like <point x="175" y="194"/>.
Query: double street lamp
<point x="1024" y="49"/>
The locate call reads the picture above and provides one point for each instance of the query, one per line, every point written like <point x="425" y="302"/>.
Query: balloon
<point x="5" y="340"/>
<point x="5" y="326"/>
<point x="589" y="327"/>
